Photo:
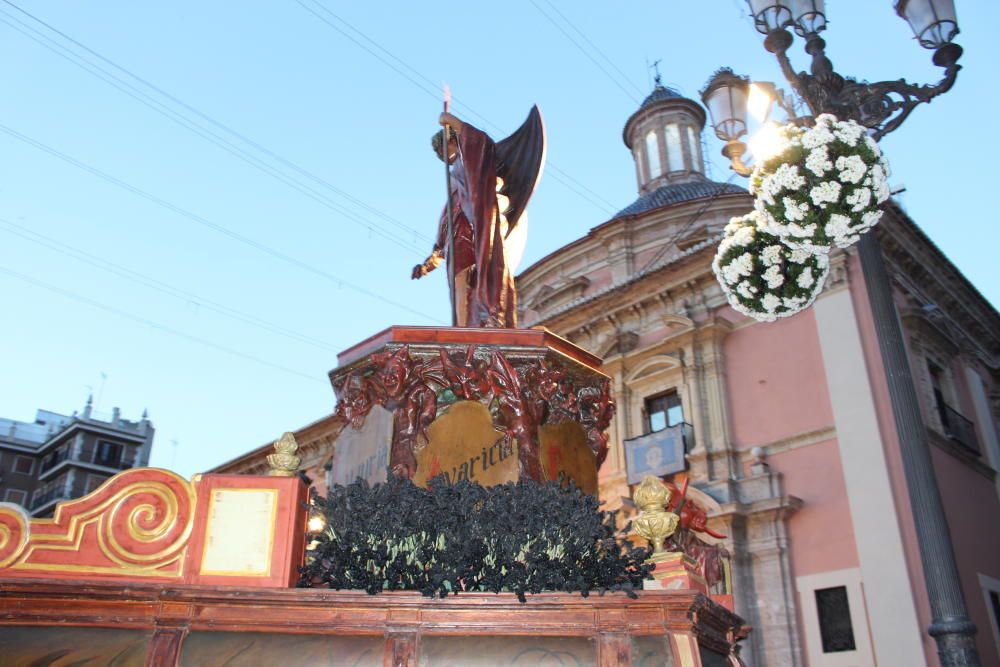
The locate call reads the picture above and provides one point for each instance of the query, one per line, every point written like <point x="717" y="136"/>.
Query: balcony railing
<point x="959" y="429"/>
<point x="54" y="459"/>
<point x="121" y="462"/>
<point x="658" y="453"/>
<point x="118" y="464"/>
<point x="47" y="497"/>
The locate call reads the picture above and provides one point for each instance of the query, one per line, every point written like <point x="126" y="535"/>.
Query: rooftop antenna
<point x="100" y="391"/>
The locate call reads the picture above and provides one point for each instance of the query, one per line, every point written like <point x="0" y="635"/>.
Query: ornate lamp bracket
<point x="881" y="106"/>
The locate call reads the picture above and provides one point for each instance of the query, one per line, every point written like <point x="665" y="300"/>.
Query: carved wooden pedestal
<point x="67" y="622"/>
<point x="489" y="405"/>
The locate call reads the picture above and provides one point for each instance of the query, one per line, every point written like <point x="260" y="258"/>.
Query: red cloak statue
<point x="491" y="184"/>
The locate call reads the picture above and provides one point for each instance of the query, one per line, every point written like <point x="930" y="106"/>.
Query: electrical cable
<point x="669" y="243"/>
<point x="158" y="285"/>
<point x="601" y="67"/>
<point x="428" y="86"/>
<point x="207" y="223"/>
<point x="595" y="47"/>
<point x="201" y="130"/>
<point x="156" y="325"/>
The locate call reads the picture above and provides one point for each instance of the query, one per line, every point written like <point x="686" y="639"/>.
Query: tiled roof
<point x="661" y="92"/>
<point x="676" y="194"/>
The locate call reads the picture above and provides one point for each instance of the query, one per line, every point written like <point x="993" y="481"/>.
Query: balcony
<point x="117" y="464"/>
<point x="54" y="459"/>
<point x="48" y="497"/>
<point x="958" y="428"/>
<point x="658" y="453"/>
<point x="61" y="459"/>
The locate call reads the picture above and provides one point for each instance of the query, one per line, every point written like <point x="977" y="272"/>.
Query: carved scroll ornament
<point x="522" y="395"/>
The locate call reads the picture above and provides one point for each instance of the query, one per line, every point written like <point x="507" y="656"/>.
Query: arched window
<point x="640" y="165"/>
<point x="675" y="154"/>
<point x="653" y="155"/>
<point x="694" y="146"/>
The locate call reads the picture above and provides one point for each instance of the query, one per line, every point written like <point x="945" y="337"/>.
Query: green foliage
<point x="523" y="538"/>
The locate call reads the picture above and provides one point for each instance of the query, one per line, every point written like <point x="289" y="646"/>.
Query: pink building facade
<point x="792" y="435"/>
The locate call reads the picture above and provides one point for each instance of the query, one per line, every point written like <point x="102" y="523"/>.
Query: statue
<point x="489" y="188"/>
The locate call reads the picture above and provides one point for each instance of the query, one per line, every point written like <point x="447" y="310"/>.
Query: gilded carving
<point x="14" y="530"/>
<point x="654" y="522"/>
<point x="138" y="522"/>
<point x="521" y="394"/>
<point x="284" y="462"/>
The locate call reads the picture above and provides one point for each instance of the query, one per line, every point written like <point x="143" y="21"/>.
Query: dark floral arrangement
<point x="522" y="538"/>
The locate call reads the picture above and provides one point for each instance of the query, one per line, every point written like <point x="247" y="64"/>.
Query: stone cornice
<point x="928" y="277"/>
<point x="671" y="219"/>
<point x="641" y="288"/>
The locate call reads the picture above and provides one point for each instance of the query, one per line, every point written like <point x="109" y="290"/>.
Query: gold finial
<point x="654" y="522"/>
<point x="284" y="462"/>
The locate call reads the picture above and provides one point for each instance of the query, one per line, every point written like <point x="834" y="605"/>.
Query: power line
<point x="429" y="87"/>
<point x="158" y="285"/>
<point x="667" y="245"/>
<point x="595" y="47"/>
<point x="156" y="325"/>
<point x="202" y="131"/>
<point x="582" y="50"/>
<point x="205" y="222"/>
<point x="205" y="133"/>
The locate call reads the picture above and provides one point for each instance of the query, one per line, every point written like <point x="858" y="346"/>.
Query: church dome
<point x="664" y="135"/>
<point x="660" y="92"/>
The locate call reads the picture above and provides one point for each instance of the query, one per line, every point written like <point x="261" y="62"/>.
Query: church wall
<point x="821" y="535"/>
<point x="776" y="382"/>
<point x="881" y="549"/>
<point x="903" y="520"/>
<point x="976" y="541"/>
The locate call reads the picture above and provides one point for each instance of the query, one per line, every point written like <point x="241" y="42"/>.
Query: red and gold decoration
<point x="542" y="403"/>
<point x="677" y="530"/>
<point x="148" y="524"/>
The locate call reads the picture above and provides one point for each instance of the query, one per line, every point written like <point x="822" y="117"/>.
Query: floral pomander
<point x="761" y="276"/>
<point x="823" y="186"/>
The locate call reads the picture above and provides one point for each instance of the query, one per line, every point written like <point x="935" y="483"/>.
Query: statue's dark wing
<point x="520" y="158"/>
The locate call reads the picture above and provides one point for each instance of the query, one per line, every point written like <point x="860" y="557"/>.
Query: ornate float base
<point x="487" y="405"/>
<point x="77" y="622"/>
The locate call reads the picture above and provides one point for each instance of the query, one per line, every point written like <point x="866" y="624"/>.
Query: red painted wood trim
<point x="540" y="338"/>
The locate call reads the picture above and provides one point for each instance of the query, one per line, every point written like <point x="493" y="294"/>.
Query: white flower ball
<point x="765" y="278"/>
<point x="824" y="188"/>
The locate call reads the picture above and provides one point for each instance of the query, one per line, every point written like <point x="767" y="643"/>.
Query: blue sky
<point x="236" y="278"/>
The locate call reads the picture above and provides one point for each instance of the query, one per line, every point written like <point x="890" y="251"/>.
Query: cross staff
<point x="450" y="252"/>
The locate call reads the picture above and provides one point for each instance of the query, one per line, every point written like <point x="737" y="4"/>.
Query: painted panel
<point x="258" y="648"/>
<point x="63" y="647"/>
<point x="652" y="651"/>
<point x="507" y="651"/>
<point x="564" y="450"/>
<point x="363" y="452"/>
<point x="239" y="535"/>
<point x="463" y="444"/>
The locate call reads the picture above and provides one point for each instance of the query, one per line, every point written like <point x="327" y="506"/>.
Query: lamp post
<point x="881" y="107"/>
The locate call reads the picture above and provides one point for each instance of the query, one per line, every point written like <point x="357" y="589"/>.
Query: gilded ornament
<point x="284" y="462"/>
<point x="654" y="522"/>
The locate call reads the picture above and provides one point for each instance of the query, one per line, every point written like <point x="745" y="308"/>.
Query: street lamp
<point x="933" y="23"/>
<point x="725" y="95"/>
<point x="808" y="17"/>
<point x="881" y="107"/>
<point x="729" y="98"/>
